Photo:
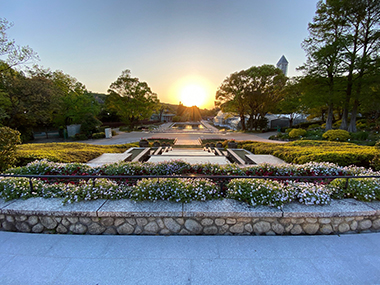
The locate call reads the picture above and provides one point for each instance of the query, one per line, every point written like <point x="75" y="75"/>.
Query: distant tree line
<point x="341" y="75"/>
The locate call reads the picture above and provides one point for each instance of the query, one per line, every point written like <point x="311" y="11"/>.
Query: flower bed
<point x="271" y="192"/>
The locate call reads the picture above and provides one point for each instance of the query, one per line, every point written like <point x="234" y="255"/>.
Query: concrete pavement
<point x="83" y="259"/>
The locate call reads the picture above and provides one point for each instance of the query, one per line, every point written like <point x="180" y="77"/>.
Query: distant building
<point x="283" y="65"/>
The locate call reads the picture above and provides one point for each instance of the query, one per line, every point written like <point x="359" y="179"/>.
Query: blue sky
<point x="164" y="43"/>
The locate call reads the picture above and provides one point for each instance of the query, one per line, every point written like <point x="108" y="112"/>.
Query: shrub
<point x="174" y="189"/>
<point x="100" y="135"/>
<point x="363" y="189"/>
<point x="359" y="136"/>
<point x="9" y="139"/>
<point x="80" y="137"/>
<point x="65" y="152"/>
<point x="259" y="192"/>
<point x="89" y="124"/>
<point x="297" y="133"/>
<point x="313" y="126"/>
<point x="336" y="135"/>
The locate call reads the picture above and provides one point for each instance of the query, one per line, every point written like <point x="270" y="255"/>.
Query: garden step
<point x="107" y="158"/>
<point x="265" y="158"/>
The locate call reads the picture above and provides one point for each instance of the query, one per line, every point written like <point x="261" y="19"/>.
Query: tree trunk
<point x="330" y="116"/>
<point x="242" y="121"/>
<point x="352" y="126"/>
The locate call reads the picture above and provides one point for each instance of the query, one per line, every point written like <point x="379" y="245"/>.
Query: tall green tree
<point x="264" y="88"/>
<point x="230" y="96"/>
<point x="131" y="99"/>
<point x="11" y="53"/>
<point x="324" y="49"/>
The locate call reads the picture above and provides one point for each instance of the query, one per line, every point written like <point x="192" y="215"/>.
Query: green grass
<point x="66" y="152"/>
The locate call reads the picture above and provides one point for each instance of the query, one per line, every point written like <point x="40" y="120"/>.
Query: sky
<point x="173" y="45"/>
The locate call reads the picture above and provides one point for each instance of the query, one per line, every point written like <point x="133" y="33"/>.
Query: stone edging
<point x="220" y="217"/>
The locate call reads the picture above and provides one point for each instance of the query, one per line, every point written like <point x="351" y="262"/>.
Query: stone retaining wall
<point x="223" y="217"/>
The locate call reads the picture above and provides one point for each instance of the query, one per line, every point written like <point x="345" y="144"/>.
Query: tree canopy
<point x="131" y="99"/>
<point x="253" y="92"/>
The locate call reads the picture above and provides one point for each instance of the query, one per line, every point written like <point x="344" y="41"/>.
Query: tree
<point x="344" y="44"/>
<point x="324" y="50"/>
<point x="131" y="99"/>
<point x="291" y="102"/>
<point x="263" y="90"/>
<point x="13" y="54"/>
<point x="230" y="96"/>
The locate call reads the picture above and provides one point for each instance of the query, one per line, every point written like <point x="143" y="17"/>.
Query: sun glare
<point x="193" y="95"/>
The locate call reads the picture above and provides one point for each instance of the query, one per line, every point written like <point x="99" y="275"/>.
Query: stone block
<point x="326" y="229"/>
<point x="151" y="227"/>
<point x="125" y="229"/>
<point x="237" y="228"/>
<point x="212" y="230"/>
<point x="261" y="227"/>
<point x="311" y="229"/>
<point x="78" y="228"/>
<point x="95" y="229"/>
<point x="48" y="222"/>
<point x="23" y="227"/>
<point x="172" y="225"/>
<point x="365" y="225"/>
<point x="107" y="221"/>
<point x="278" y="228"/>
<point x="296" y="230"/>
<point x="207" y="222"/>
<point x="193" y="226"/>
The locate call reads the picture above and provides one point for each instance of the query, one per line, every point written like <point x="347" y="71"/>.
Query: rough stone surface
<point x="210" y="230"/>
<point x="364" y="225"/>
<point x="151" y="227"/>
<point x="110" y="231"/>
<point x="296" y="230"/>
<point x="107" y="221"/>
<point x="311" y="229"/>
<point x="120" y="221"/>
<point x="38" y="228"/>
<point x="172" y="225"/>
<point x="219" y="222"/>
<point x="21" y="218"/>
<point x="237" y="228"/>
<point x="62" y="229"/>
<point x="32" y="220"/>
<point x="85" y="220"/>
<point x="326" y="229"/>
<point x="325" y="220"/>
<point x="78" y="228"/>
<point x="23" y="227"/>
<point x="231" y="221"/>
<point x="125" y="229"/>
<point x="344" y="227"/>
<point x="354" y="225"/>
<point x="311" y="220"/>
<point x="193" y="226"/>
<point x="261" y="227"/>
<point x="278" y="228"/>
<point x="376" y="224"/>
<point x="95" y="229"/>
<point x="142" y="221"/>
<point x="72" y="220"/>
<point x="248" y="228"/>
<point x="48" y="222"/>
<point x="207" y="222"/>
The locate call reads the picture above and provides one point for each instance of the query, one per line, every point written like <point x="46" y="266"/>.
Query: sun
<point x="193" y="95"/>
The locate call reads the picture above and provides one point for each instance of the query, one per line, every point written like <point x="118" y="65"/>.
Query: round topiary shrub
<point x="297" y="133"/>
<point x="336" y="135"/>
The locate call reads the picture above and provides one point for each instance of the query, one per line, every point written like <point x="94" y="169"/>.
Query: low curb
<point x="217" y="217"/>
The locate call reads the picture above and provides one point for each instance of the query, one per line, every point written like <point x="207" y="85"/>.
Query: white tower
<point x="283" y="65"/>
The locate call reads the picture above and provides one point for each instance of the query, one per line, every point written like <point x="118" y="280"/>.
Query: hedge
<point x="299" y="152"/>
<point x="65" y="152"/>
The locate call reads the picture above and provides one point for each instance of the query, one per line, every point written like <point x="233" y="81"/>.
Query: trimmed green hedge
<point x="65" y="152"/>
<point x="300" y="152"/>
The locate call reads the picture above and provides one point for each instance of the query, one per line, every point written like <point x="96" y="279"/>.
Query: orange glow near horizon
<point x="193" y="91"/>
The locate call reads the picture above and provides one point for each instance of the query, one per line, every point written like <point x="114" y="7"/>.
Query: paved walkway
<point x="77" y="259"/>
